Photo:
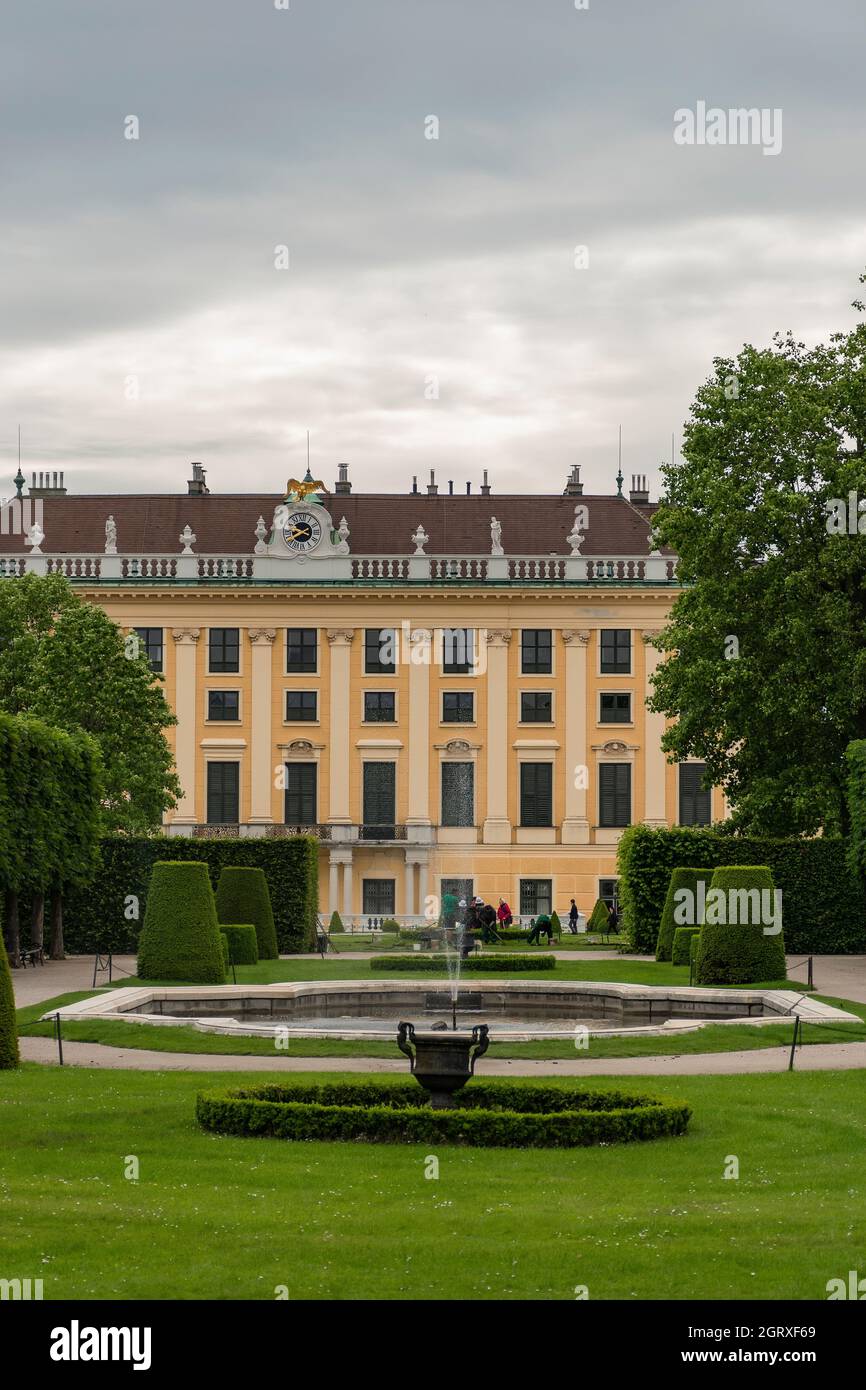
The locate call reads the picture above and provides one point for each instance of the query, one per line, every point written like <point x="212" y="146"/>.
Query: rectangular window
<point x="616" y="651"/>
<point x="223" y="704"/>
<point x="536" y="652"/>
<point x="379" y="651"/>
<point x="695" y="798"/>
<point x="223" y="781"/>
<point x="458" y="707"/>
<point x="459" y="888"/>
<point x="380" y="799"/>
<point x="378" y="897"/>
<point x="300" y="807"/>
<point x="608" y="891"/>
<point x="380" y="707"/>
<point x="614" y="794"/>
<point x="302" y="706"/>
<point x="536" y="794"/>
<point x="458" y="794"/>
<point x="615" y="709"/>
<point x="536" y="707"/>
<point x="536" y="895"/>
<point x="224" y="649"/>
<point x="301" y="651"/>
<point x="458" y="650"/>
<point x="151" y="641"/>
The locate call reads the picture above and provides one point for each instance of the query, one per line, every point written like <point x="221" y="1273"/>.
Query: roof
<point x="379" y="523"/>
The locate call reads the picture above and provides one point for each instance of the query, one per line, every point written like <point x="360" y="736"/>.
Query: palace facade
<point x="448" y="690"/>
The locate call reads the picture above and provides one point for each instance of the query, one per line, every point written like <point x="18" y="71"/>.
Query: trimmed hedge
<point x="8" y="1025"/>
<point x="680" y="879"/>
<point x="438" y="964"/>
<point x="825" y="904"/>
<point x="242" y="944"/>
<point x="683" y="937"/>
<point x="336" y="923"/>
<point x="180" y="939"/>
<point x="741" y="954"/>
<point x="225" y="953"/>
<point x="108" y="913"/>
<point x="599" y="918"/>
<point x="694" y="946"/>
<point x="242" y="896"/>
<point x="491" y="1114"/>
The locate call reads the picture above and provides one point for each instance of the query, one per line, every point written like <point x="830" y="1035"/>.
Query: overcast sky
<point x="146" y="268"/>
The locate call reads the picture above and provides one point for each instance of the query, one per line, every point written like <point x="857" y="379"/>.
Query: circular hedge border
<point x="488" y="1114"/>
<point x="432" y="965"/>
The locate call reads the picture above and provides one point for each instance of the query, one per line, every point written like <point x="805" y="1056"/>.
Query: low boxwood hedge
<point x="682" y="944"/>
<point x="495" y="1114"/>
<point x="438" y="965"/>
<point x="242" y="943"/>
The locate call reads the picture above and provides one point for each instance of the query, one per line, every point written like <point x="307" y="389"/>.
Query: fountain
<point x="441" y="1062"/>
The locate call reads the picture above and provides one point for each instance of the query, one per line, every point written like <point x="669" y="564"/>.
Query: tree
<point x="765" y="665"/>
<point x="63" y="661"/>
<point x="8" y="1025"/>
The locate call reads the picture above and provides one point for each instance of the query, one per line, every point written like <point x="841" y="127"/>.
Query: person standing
<point x="503" y="914"/>
<point x="573" y="917"/>
<point x="613" y="919"/>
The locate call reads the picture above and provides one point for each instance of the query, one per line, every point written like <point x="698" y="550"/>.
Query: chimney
<point x="485" y="486"/>
<point x="414" y="484"/>
<point x="342" y="487"/>
<point x="432" y="489"/>
<point x="574" y="487"/>
<point x="197" y="487"/>
<point x="639" y="492"/>
<point x="450" y="489"/>
<point x="468" y="489"/>
<point x="49" y="485"/>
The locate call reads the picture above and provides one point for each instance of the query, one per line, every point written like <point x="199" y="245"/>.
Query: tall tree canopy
<point x="63" y="661"/>
<point x="765" y="665"/>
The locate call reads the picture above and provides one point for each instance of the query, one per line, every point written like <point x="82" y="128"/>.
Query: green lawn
<point x="713" y="1038"/>
<point x="224" y="1218"/>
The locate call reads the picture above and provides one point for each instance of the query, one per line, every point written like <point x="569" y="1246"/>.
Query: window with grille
<point x="536" y="652"/>
<point x="695" y="798"/>
<point x="536" y="707"/>
<point x="536" y="794"/>
<point x="379" y="652"/>
<point x="301" y="650"/>
<point x="300" y="800"/>
<point x="458" y="707"/>
<point x="614" y="794"/>
<point x="458" y="794"/>
<point x="377" y="895"/>
<point x="223" y="704"/>
<point x="302" y="706"/>
<point x="380" y="707"/>
<point x="615" y="709"/>
<point x="536" y="895"/>
<point x="223" y="781"/>
<point x="380" y="783"/>
<point x="224" y="649"/>
<point x="151" y="641"/>
<point x="615" y="651"/>
<point x="458" y="650"/>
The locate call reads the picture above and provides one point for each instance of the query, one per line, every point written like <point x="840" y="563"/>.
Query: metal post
<point x="794" y="1041"/>
<point x="59" y="1037"/>
<point x="810" y="981"/>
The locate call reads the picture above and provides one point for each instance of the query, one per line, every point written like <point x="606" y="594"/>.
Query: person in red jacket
<point x="503" y="914"/>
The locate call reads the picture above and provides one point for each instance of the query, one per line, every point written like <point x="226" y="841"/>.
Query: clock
<point x="302" y="532"/>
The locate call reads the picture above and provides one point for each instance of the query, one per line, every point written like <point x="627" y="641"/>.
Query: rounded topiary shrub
<point x="599" y="918"/>
<point x="242" y="943"/>
<point x="242" y="896"/>
<point x="8" y="1026"/>
<point x="180" y="938"/>
<point x="336" y="922"/>
<point x="672" y="914"/>
<point x="682" y="944"/>
<point x="555" y="923"/>
<point x="735" y="948"/>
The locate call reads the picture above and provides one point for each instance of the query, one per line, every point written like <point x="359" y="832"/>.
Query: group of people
<point x="479" y="917"/>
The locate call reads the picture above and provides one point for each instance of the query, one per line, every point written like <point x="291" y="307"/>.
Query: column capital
<point x="340" y="636"/>
<point x="647" y="633"/>
<point x="186" y="636"/>
<point x="575" y="635"/>
<point x="498" y="636"/>
<point x="261" y="636"/>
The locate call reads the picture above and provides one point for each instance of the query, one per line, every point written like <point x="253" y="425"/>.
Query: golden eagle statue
<point x="303" y="490"/>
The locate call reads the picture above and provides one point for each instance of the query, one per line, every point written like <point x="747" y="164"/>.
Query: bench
<point x="32" y="955"/>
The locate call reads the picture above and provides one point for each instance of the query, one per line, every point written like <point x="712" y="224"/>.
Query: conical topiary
<point x="740" y="952"/>
<point x="242" y="896"/>
<point x="673" y="915"/>
<point x="8" y="1026"/>
<point x="599" y="917"/>
<point x="180" y="937"/>
<point x="336" y="923"/>
<point x="555" y="923"/>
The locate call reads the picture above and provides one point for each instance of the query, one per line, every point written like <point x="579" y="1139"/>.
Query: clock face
<point x="302" y="531"/>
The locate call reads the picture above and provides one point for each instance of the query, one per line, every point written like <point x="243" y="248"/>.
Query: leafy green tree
<point x="8" y="1025"/>
<point x="855" y="791"/>
<point x="63" y="661"/>
<point x="764" y="673"/>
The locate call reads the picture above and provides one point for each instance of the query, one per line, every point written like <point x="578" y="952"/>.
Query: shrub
<point x="8" y="1025"/>
<point x="242" y="896"/>
<point x="180" y="938"/>
<point x="98" y="916"/>
<point x="694" y="944"/>
<point x="855" y="800"/>
<point x="825" y="904"/>
<point x="680" y="879"/>
<point x="438" y="965"/>
<point x="599" y="918"/>
<point x="742" y="953"/>
<point x="390" y="925"/>
<point x="225" y="953"/>
<point x="336" y="923"/>
<point x="242" y="943"/>
<point x="555" y="923"/>
<point x="491" y="1114"/>
<point x="682" y="944"/>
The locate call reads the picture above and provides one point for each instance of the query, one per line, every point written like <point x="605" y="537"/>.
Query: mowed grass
<point x="713" y="1038"/>
<point x="225" y="1218"/>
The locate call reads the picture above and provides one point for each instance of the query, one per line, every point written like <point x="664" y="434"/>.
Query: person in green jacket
<point x="540" y="926"/>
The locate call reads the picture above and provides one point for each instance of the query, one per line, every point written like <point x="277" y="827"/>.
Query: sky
<point x="449" y="235"/>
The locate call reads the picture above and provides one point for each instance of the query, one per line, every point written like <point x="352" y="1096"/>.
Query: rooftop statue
<point x="299" y="492"/>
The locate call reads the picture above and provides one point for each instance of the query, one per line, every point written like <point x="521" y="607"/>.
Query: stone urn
<point x="442" y="1062"/>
